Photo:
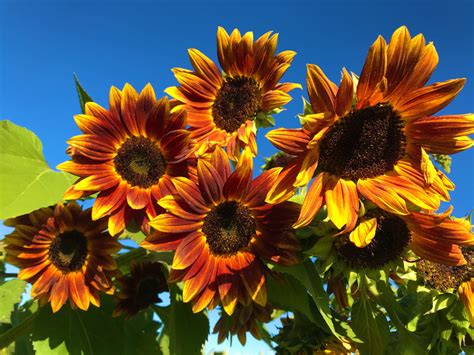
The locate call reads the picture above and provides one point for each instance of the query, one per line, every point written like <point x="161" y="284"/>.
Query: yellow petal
<point x="363" y="234"/>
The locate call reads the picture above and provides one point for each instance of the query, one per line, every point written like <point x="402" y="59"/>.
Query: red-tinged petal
<point x="78" y="291"/>
<point x="290" y="141"/>
<point x="98" y="127"/>
<point x="382" y="195"/>
<point x="397" y="56"/>
<point x="345" y="94"/>
<point x="188" y="251"/>
<point x="109" y="200"/>
<point x="419" y="75"/>
<point x="43" y="284"/>
<point x="179" y="208"/>
<point x="363" y="234"/>
<point x="85" y="170"/>
<point x="287" y="87"/>
<point x="283" y="188"/>
<point x="274" y="99"/>
<point x="253" y="279"/>
<point x="222" y="44"/>
<point x="128" y="108"/>
<point x="98" y="182"/>
<point x="169" y="223"/>
<point x="115" y="102"/>
<point x="373" y="71"/>
<point x="437" y="251"/>
<point x="138" y="197"/>
<point x="163" y="188"/>
<point x="195" y="86"/>
<point x="321" y="94"/>
<point x="117" y="222"/>
<point x="259" y="188"/>
<point x="29" y="272"/>
<point x="308" y="167"/>
<point x="205" y="67"/>
<point x="108" y="120"/>
<point x="211" y="182"/>
<point x="200" y="281"/>
<point x="158" y="241"/>
<point x="174" y="145"/>
<point x="238" y="183"/>
<point x="59" y="294"/>
<point x="221" y="163"/>
<point x="145" y="103"/>
<point x="94" y="147"/>
<point x="204" y="299"/>
<point x="190" y="193"/>
<point x="429" y="99"/>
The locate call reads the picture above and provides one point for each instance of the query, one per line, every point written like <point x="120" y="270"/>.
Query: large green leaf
<point x="94" y="332"/>
<point x="10" y="294"/>
<point x="26" y="181"/>
<point x="309" y="277"/>
<point x="370" y="326"/>
<point x="187" y="331"/>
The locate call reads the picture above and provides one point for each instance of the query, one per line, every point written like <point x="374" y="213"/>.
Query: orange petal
<point x="345" y="94"/>
<point x="205" y="67"/>
<point x="178" y="208"/>
<point x="382" y="195"/>
<point x="238" y="183"/>
<point x="190" y="193"/>
<point x="320" y="90"/>
<point x="397" y="56"/>
<point x="78" y="291"/>
<point x="283" y="188"/>
<point x="169" y="223"/>
<point x="138" y="197"/>
<point x="373" y="71"/>
<point x="290" y="141"/>
<point x="259" y="188"/>
<point x="312" y="202"/>
<point x="342" y="202"/>
<point x="274" y="99"/>
<point x="188" y="251"/>
<point x="466" y="294"/>
<point x="128" y="108"/>
<point x="210" y="182"/>
<point x="308" y="167"/>
<point x="429" y="99"/>
<point x="59" y="294"/>
<point x="109" y="201"/>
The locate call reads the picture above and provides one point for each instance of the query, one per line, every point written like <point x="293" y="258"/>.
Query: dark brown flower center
<point x="391" y="238"/>
<point x="68" y="251"/>
<point x="444" y="277"/>
<point x="139" y="161"/>
<point x="364" y="144"/>
<point x="237" y="101"/>
<point x="228" y="228"/>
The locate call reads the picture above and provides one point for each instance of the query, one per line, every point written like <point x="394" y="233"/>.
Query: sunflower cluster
<point x="352" y="190"/>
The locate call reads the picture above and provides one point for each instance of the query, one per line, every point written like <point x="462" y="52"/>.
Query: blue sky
<point x="114" y="42"/>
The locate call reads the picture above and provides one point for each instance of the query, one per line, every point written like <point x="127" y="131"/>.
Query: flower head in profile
<point x="127" y="155"/>
<point x="63" y="254"/>
<point x="224" y="107"/>
<point x="140" y="288"/>
<point x="370" y="139"/>
<point x="222" y="231"/>
<point x="381" y="237"/>
<point x="244" y="319"/>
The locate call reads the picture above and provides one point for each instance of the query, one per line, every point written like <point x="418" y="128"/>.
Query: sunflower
<point x="221" y="229"/>
<point x="381" y="237"/>
<point x="127" y="154"/>
<point x="245" y="319"/>
<point x="445" y="278"/>
<point x="223" y="107"/>
<point x="63" y="254"/>
<point x="141" y="288"/>
<point x="373" y="142"/>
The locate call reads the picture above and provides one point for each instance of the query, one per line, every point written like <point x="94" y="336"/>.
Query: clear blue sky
<point x="110" y="43"/>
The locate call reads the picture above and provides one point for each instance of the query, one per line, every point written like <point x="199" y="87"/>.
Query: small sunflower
<point x="445" y="278"/>
<point x="221" y="228"/>
<point x="141" y="288"/>
<point x="223" y="107"/>
<point x="63" y="254"/>
<point x="127" y="154"/>
<point x="381" y="237"/>
<point x="245" y="319"/>
<point x="372" y="142"/>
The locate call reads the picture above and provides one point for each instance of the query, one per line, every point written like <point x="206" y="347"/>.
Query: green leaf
<point x="94" y="332"/>
<point x="371" y="326"/>
<point x="187" y="331"/>
<point x="309" y="277"/>
<point x="83" y="95"/>
<point x="26" y="181"/>
<point x="10" y="294"/>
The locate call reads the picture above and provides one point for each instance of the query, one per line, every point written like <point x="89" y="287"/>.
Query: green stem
<point x="161" y="312"/>
<point x="22" y="328"/>
<point x="126" y="258"/>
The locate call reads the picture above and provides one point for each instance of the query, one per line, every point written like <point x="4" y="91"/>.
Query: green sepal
<point x="82" y="94"/>
<point x="443" y="160"/>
